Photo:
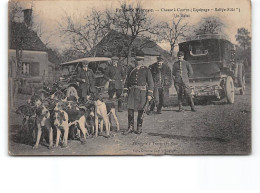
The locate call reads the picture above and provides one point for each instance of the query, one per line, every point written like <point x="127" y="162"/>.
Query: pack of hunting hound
<point x="63" y="118"/>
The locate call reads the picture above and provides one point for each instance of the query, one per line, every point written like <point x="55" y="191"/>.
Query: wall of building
<point x="34" y="59"/>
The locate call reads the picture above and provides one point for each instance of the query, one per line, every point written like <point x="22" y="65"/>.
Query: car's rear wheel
<point x="230" y="90"/>
<point x="72" y="91"/>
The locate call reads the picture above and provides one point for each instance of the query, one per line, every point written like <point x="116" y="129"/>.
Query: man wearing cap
<point x="86" y="81"/>
<point x="139" y="89"/>
<point x="181" y="71"/>
<point x="115" y="75"/>
<point x="162" y="82"/>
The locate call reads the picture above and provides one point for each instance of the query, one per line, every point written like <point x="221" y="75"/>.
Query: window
<point x="25" y="68"/>
<point x="198" y="50"/>
<point x="30" y="69"/>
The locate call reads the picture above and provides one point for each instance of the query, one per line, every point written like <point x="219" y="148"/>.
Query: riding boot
<point x="139" y="122"/>
<point x="130" y="122"/>
<point x="159" y="108"/>
<point x="152" y="106"/>
<point x="192" y="105"/>
<point x="120" y="105"/>
<point x="180" y="107"/>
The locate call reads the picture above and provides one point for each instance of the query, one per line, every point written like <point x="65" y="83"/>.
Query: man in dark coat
<point x="139" y="89"/>
<point x="181" y="71"/>
<point x="115" y="75"/>
<point x="162" y="81"/>
<point x="86" y="79"/>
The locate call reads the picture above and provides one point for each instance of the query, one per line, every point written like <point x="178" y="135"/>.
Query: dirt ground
<point x="218" y="128"/>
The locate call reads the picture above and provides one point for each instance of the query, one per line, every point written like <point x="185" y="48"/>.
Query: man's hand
<point x="83" y="80"/>
<point x="125" y="94"/>
<point x="149" y="98"/>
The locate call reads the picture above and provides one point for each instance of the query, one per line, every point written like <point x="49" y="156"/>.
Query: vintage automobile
<point x="217" y="72"/>
<point x="70" y="70"/>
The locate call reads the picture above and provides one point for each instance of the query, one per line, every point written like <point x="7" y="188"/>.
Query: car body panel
<point x="212" y="60"/>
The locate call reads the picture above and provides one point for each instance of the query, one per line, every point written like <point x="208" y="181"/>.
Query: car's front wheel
<point x="230" y="90"/>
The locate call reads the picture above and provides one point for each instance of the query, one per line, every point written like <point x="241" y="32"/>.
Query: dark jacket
<point x="182" y="75"/>
<point x="117" y="75"/>
<point x="161" y="77"/>
<point x="88" y="86"/>
<point x="140" y="76"/>
<point x="139" y="84"/>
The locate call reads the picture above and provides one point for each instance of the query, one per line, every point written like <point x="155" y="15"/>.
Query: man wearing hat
<point x="115" y="75"/>
<point x="162" y="82"/>
<point x="181" y="71"/>
<point x="86" y="81"/>
<point x="139" y="89"/>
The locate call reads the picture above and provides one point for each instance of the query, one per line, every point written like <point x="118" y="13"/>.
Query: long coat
<point x="181" y="75"/>
<point x="88" y="86"/>
<point x="139" y="84"/>
<point x="116" y="73"/>
<point x="162" y="78"/>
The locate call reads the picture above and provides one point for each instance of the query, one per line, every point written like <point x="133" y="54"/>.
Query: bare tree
<point x="171" y="31"/>
<point x="243" y="38"/>
<point x="132" y="21"/>
<point x="85" y="33"/>
<point x="210" y="25"/>
<point x="15" y="15"/>
<point x="15" y="11"/>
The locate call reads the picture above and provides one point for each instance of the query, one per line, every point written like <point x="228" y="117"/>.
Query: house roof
<point x="27" y="39"/>
<point x="30" y="40"/>
<point x="116" y="43"/>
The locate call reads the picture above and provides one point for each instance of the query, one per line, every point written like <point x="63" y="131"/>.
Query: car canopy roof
<point x="89" y="59"/>
<point x="205" y="37"/>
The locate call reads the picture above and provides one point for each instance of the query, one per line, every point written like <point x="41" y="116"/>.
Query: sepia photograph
<point x="132" y="77"/>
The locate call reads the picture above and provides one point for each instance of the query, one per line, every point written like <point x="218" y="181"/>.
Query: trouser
<point x="131" y="118"/>
<point x="84" y="92"/>
<point x="183" y="90"/>
<point x="113" y="91"/>
<point x="158" y="99"/>
<point x="118" y="96"/>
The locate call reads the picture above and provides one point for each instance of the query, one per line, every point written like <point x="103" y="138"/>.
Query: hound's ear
<point x="64" y="100"/>
<point x="56" y="108"/>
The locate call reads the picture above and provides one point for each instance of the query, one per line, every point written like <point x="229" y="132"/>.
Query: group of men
<point x="142" y="84"/>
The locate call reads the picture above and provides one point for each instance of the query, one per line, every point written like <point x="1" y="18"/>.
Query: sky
<point x="51" y="13"/>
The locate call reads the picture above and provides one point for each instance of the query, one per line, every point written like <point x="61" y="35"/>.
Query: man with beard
<point x="139" y="89"/>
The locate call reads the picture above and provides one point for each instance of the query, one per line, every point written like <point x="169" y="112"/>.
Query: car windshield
<point x="68" y="70"/>
<point x="98" y="67"/>
<point x="202" y="50"/>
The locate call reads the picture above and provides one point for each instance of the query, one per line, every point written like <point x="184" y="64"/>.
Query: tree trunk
<point x="95" y="52"/>
<point x="129" y="54"/>
<point x="172" y="49"/>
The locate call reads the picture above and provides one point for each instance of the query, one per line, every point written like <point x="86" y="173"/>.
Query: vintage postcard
<point x="141" y="77"/>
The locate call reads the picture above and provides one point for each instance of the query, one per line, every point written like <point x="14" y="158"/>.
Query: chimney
<point x="27" y="14"/>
